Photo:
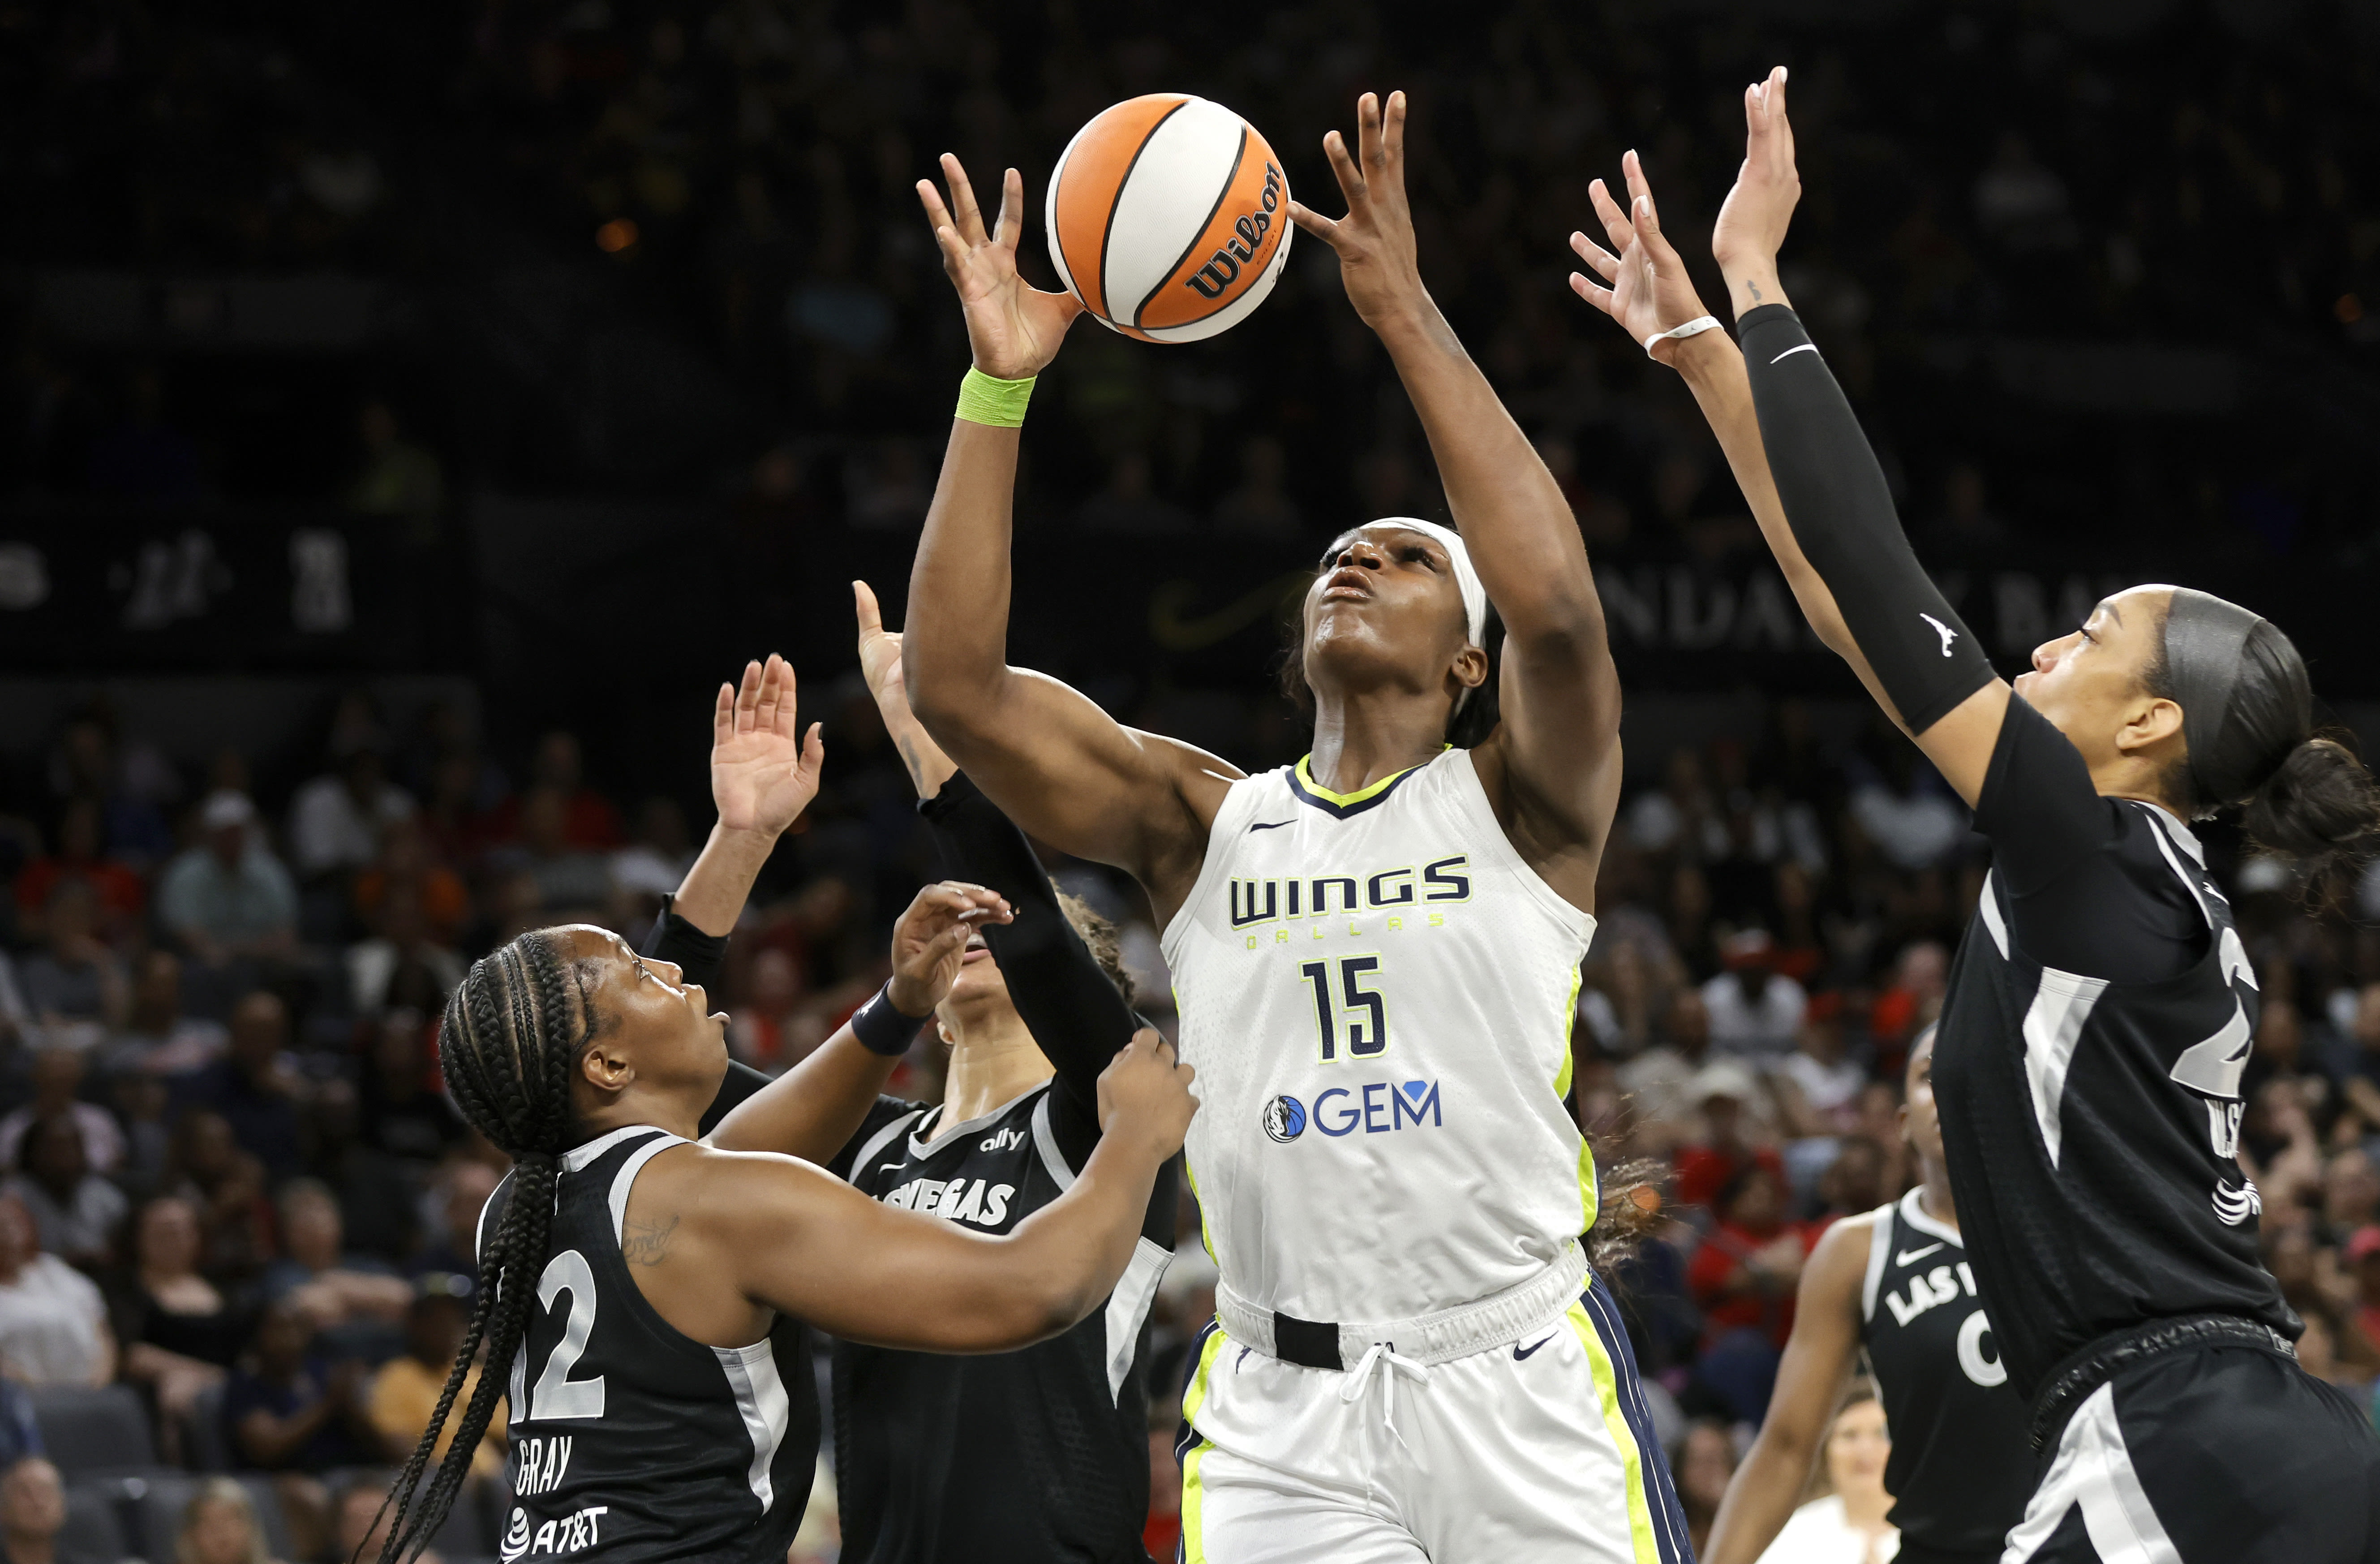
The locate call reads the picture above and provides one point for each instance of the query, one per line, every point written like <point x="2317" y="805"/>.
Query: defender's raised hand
<point x="929" y="941"/>
<point x="879" y="665"/>
<point x="1145" y="1092"/>
<point x="1752" y="220"/>
<point x="1375" y="240"/>
<point x="1648" y="291"/>
<point x="1013" y="328"/>
<point x="763" y="772"/>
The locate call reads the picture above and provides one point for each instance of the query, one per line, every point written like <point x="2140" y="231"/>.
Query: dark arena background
<point x="410" y="413"/>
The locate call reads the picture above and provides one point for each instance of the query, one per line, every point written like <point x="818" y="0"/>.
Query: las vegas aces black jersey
<point x="1960" y="1468"/>
<point x="2092" y="1121"/>
<point x="1030" y="1456"/>
<point x="629" y="1440"/>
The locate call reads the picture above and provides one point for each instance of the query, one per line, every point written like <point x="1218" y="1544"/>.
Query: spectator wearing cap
<point x="406" y="1390"/>
<point x="33" y="1514"/>
<point x="229" y="898"/>
<point x="52" y="1321"/>
<point x="336" y="820"/>
<point x="1756" y="1010"/>
<point x="1724" y="1092"/>
<point x="76" y="1211"/>
<point x="58" y="1091"/>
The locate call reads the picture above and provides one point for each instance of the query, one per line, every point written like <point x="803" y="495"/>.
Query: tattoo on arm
<point x="1754" y="286"/>
<point x="645" y="1243"/>
<point x="909" y="748"/>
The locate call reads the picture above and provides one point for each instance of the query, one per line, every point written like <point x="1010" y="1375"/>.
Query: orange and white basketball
<point x="1169" y="217"/>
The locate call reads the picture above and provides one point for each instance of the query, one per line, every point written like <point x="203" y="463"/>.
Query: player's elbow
<point x="949" y="689"/>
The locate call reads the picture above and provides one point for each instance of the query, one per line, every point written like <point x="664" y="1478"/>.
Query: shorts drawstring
<point x="1390" y="1363"/>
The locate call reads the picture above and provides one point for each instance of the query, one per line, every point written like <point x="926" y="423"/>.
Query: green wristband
<point x="1000" y="403"/>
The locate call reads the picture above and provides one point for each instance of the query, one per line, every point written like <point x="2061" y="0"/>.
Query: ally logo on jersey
<point x="1377" y="1107"/>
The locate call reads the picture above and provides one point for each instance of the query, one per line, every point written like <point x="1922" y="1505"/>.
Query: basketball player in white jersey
<point x="1376" y="956"/>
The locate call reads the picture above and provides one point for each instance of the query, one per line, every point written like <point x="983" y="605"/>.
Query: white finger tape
<point x="1694" y="327"/>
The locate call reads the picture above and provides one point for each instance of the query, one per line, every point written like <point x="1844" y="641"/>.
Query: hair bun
<point x="2319" y="806"/>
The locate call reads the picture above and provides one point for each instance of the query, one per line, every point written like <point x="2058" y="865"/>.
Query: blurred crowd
<point x="233" y="1183"/>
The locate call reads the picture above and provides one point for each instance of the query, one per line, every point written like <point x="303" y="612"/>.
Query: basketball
<point x="1169" y="217"/>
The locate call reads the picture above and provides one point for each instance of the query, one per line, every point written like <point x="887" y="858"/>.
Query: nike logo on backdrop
<point x="1522" y="1354"/>
<point x="1945" y="632"/>
<point x="1270" y="825"/>
<point x="1910" y="1256"/>
<point x="1804" y="347"/>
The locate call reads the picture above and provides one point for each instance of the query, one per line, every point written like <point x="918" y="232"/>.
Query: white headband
<point x="1474" y="594"/>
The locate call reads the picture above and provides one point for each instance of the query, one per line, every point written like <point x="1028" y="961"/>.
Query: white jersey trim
<point x="580" y="1157"/>
<point x="1128" y="1307"/>
<point x="760" y="1398"/>
<point x="878" y="1141"/>
<point x="921" y="1145"/>
<point x="1231" y="819"/>
<point x="2053" y="1025"/>
<point x="2093" y="1469"/>
<point x="1044" y="1140"/>
<point x="626" y="1180"/>
<point x="1914" y="1211"/>
<point x="1880" y="1251"/>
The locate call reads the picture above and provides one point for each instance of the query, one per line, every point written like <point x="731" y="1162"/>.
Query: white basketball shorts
<point x="1541" y="1449"/>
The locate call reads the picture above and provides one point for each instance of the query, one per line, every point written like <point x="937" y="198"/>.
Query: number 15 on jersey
<point x="1345" y="1010"/>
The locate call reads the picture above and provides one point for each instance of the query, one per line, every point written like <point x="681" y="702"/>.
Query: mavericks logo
<point x="1284" y="1118"/>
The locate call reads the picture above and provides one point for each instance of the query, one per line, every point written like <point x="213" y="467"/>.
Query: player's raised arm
<point x="1559" y="744"/>
<point x="1059" y="767"/>
<point x="1921" y="661"/>
<point x="796" y="1239"/>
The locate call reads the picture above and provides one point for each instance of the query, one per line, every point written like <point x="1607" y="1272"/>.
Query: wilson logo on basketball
<point x="1222" y="268"/>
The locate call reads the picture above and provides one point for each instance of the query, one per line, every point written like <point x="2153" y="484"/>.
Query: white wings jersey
<point x="1377" y="994"/>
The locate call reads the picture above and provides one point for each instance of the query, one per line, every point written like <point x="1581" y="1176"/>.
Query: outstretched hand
<point x="1649" y="290"/>
<point x="1752" y="220"/>
<point x="879" y="665"/>
<point x="1377" y="260"/>
<point x="1013" y="327"/>
<point x="929" y="941"/>
<point x="763" y="773"/>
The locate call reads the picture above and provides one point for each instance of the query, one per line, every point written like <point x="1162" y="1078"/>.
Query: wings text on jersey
<point x="1320" y="896"/>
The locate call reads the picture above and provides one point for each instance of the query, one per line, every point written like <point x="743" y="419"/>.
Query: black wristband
<point x="880" y="1027"/>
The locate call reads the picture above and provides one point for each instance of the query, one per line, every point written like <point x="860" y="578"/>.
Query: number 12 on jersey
<point x="1361" y="1014"/>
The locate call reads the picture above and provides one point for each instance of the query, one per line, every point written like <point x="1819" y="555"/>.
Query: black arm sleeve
<point x="699" y="956"/>
<point x="1841" y="513"/>
<point x="2089" y="892"/>
<point x="1074" y="1013"/>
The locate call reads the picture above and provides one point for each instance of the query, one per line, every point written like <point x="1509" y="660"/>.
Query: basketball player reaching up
<point x="1894" y="1282"/>
<point x="2102" y="1007"/>
<point x="646" y="1289"/>
<point x="1376" y="956"/>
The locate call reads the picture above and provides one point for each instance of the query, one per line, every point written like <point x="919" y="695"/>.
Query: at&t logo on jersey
<point x="1377" y="1107"/>
<point x="566" y="1533"/>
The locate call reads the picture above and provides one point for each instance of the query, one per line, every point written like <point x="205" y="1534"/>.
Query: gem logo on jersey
<point x="1379" y="1107"/>
<point x="1284" y="1118"/>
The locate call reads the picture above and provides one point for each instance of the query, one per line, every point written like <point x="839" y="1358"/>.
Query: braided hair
<point x="514" y="1030"/>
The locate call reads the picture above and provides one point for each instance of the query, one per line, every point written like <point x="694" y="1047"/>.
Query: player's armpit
<point x="1820" y="1353"/>
<point x="1961" y="745"/>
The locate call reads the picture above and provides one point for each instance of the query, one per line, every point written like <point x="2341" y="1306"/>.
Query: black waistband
<point x="2083" y="1371"/>
<point x="1310" y="1343"/>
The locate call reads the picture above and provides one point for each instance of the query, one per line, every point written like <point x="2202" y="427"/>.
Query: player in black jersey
<point x="644" y="1289"/>
<point x="2101" y="1008"/>
<point x="1035" y="1455"/>
<point x="1896" y="1283"/>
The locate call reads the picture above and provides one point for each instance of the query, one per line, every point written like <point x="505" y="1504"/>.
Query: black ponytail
<point x="2301" y="793"/>
<point x="2319" y="806"/>
<point x="514" y="1030"/>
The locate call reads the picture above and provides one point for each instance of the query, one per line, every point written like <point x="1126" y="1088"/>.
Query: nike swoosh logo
<point x="1270" y="825"/>
<point x="1804" y="347"/>
<point x="1910" y="1256"/>
<point x="1522" y="1354"/>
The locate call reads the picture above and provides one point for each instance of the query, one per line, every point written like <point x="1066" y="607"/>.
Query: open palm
<point x="763" y="772"/>
<point x="1013" y="328"/>
<point x="1646" y="288"/>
